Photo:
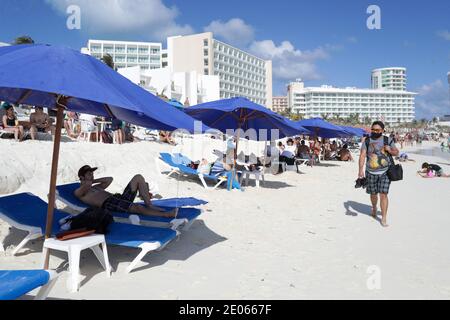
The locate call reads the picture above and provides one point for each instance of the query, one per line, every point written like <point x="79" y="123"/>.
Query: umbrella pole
<point x="54" y="173"/>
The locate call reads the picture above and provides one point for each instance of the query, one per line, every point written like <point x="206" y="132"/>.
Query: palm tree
<point x="108" y="60"/>
<point x="23" y="40"/>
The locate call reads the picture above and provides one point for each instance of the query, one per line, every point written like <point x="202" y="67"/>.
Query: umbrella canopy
<point x="62" y="78"/>
<point x="37" y="74"/>
<point x="241" y="113"/>
<point x="322" y="128"/>
<point x="354" y="132"/>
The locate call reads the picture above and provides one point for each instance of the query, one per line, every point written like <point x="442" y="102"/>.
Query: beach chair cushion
<point x="66" y="194"/>
<point x="16" y="283"/>
<point x="26" y="210"/>
<point x="167" y="158"/>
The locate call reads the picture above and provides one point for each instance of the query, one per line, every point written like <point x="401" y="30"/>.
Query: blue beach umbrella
<point x="322" y="128"/>
<point x="38" y="74"/>
<point x="354" y="132"/>
<point x="64" y="79"/>
<point x="241" y="113"/>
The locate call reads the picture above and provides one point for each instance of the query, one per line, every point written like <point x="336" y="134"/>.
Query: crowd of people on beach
<point x="84" y="127"/>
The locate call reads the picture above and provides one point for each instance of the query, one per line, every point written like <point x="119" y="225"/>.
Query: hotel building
<point x="241" y="74"/>
<point x="125" y="54"/>
<point x="389" y="79"/>
<point x="280" y="104"/>
<point x="391" y="106"/>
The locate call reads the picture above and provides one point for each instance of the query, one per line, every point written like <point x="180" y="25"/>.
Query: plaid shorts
<point x="120" y="202"/>
<point x="377" y="183"/>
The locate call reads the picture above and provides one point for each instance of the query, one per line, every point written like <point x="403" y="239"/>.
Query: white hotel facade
<point x="241" y="74"/>
<point x="146" y="55"/>
<point x="388" y="105"/>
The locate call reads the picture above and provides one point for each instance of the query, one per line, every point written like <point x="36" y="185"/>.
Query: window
<point x="205" y="52"/>
<point x="206" y="72"/>
<point x="205" y="42"/>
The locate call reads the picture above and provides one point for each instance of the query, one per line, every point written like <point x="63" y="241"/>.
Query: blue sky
<point x="321" y="41"/>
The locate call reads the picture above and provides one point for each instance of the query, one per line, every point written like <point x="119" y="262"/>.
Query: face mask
<point x="376" y="135"/>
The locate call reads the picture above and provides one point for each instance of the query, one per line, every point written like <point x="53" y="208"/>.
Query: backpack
<point x="97" y="219"/>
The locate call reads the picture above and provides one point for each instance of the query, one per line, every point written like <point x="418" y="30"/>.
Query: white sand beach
<point x="300" y="236"/>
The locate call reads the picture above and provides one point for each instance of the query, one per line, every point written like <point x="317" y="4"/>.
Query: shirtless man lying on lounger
<point x="92" y="192"/>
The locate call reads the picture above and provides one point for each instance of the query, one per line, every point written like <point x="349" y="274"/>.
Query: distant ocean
<point x="434" y="152"/>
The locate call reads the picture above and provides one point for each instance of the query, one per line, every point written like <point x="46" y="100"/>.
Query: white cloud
<point x="288" y="62"/>
<point x="234" y="31"/>
<point x="352" y="39"/>
<point x="444" y="34"/>
<point x="433" y="100"/>
<point x="149" y="16"/>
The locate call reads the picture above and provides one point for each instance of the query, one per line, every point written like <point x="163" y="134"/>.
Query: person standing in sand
<point x="376" y="154"/>
<point x="92" y="192"/>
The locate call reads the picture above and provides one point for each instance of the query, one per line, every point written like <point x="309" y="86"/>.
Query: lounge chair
<point x="181" y="168"/>
<point x="16" y="283"/>
<point x="29" y="213"/>
<point x="185" y="218"/>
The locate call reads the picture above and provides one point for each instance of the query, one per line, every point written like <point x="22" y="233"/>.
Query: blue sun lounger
<point x="178" y="164"/>
<point x="29" y="213"/>
<point x="185" y="218"/>
<point x="16" y="283"/>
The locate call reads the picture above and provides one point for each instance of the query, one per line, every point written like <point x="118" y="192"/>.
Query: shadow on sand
<point x="199" y="237"/>
<point x="354" y="208"/>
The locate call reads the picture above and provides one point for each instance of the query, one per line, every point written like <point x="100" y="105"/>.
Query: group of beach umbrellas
<point x="67" y="80"/>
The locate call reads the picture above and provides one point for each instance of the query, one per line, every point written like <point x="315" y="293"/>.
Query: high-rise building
<point x="241" y="74"/>
<point x="280" y="104"/>
<point x="147" y="55"/>
<point x="391" y="106"/>
<point x="389" y="79"/>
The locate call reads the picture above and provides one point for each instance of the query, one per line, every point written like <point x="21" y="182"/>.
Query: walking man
<point x="375" y="154"/>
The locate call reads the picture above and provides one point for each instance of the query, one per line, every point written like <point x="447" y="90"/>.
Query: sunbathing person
<point x="11" y="124"/>
<point x="344" y="154"/>
<point x="404" y="157"/>
<point x="93" y="193"/>
<point x="40" y="122"/>
<point x="430" y="170"/>
<point x="165" y="136"/>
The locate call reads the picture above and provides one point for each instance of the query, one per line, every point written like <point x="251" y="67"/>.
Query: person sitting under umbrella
<point x="40" y="122"/>
<point x="93" y="193"/>
<point x="344" y="154"/>
<point x="11" y="124"/>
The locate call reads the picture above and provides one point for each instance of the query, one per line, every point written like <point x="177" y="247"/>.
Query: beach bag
<point x="395" y="171"/>
<point x="106" y="137"/>
<point x="97" y="219"/>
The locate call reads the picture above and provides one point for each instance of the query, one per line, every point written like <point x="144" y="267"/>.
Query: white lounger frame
<point x="36" y="233"/>
<point x="159" y="162"/>
<point x="45" y="289"/>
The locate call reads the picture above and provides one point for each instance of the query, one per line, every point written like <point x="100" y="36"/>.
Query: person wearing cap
<point x="93" y="193"/>
<point x="40" y="122"/>
<point x="10" y="122"/>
